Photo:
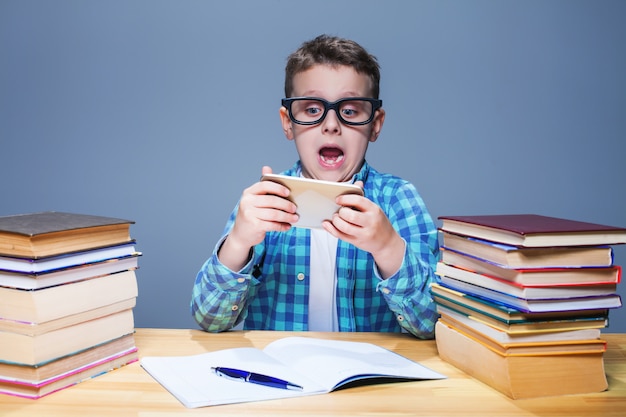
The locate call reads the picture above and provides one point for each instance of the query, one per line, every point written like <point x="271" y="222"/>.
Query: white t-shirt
<point x="323" y="282"/>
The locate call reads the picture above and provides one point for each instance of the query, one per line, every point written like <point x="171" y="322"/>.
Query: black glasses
<point x="353" y="111"/>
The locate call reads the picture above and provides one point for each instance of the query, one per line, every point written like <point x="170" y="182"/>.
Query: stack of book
<point x="67" y="291"/>
<point x="523" y="299"/>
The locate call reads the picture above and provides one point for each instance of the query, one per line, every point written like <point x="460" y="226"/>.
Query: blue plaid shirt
<point x="272" y="291"/>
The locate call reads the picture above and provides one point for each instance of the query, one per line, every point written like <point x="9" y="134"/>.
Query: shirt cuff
<point x="245" y="270"/>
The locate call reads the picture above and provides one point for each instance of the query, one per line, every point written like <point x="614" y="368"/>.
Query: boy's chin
<point x="330" y="176"/>
<point x="320" y="170"/>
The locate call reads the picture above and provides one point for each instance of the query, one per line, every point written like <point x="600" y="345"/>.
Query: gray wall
<point x="163" y="111"/>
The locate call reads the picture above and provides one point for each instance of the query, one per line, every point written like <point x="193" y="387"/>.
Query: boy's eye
<point x="310" y="108"/>
<point x="349" y="112"/>
<point x="313" y="110"/>
<point x="352" y="109"/>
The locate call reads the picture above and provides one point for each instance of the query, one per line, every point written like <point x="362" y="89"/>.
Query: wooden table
<point x="130" y="391"/>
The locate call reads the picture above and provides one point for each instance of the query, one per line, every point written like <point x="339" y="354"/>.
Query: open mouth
<point x="331" y="156"/>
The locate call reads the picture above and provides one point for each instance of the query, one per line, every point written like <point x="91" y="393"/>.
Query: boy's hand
<point x="263" y="207"/>
<point x="362" y="223"/>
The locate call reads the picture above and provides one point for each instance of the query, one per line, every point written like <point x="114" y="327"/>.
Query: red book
<point x="518" y="290"/>
<point x="533" y="230"/>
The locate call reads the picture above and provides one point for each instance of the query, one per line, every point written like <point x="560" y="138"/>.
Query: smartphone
<point x="315" y="198"/>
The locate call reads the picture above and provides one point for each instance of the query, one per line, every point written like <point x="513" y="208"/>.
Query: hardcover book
<point x="509" y="314"/>
<point x="520" y="257"/>
<point x="513" y="324"/>
<point x="543" y="348"/>
<point x="45" y="279"/>
<point x="46" y="304"/>
<point x="522" y="376"/>
<point x="471" y="324"/>
<point x="35" y="350"/>
<point x="533" y="230"/>
<point x="40" y="389"/>
<point x="518" y="290"/>
<point x="35" y="329"/>
<point x="65" y="261"/>
<point x="57" y="368"/>
<point x="535" y="277"/>
<point x="53" y="233"/>
<point x="535" y="305"/>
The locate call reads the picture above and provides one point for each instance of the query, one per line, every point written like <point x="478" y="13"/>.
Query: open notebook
<point x="319" y="366"/>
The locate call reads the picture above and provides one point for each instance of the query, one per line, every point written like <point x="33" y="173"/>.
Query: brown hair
<point x="333" y="51"/>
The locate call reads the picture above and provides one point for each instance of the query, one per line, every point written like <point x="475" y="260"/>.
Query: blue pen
<point x="245" y="376"/>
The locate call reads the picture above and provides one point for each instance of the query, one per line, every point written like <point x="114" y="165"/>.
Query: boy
<point x="371" y="266"/>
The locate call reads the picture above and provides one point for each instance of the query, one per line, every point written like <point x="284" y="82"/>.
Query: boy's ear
<point x="286" y="122"/>
<point x="377" y="124"/>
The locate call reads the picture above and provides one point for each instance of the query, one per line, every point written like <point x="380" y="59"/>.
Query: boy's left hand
<point x="362" y="223"/>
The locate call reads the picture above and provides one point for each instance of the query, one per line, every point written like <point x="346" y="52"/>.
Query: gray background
<point x="163" y="111"/>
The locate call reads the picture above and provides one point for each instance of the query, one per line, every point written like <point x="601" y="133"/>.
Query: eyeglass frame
<point x="376" y="104"/>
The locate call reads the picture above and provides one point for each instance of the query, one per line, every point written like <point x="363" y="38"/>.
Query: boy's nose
<point x="331" y="122"/>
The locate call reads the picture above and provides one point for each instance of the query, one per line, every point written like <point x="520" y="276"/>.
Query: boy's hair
<point x="333" y="51"/>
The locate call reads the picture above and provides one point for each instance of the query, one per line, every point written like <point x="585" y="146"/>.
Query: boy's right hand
<point x="263" y="207"/>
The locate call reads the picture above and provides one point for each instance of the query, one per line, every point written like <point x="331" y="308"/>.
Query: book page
<point x="334" y="363"/>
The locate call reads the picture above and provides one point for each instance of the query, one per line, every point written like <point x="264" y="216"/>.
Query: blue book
<point x="534" y="306"/>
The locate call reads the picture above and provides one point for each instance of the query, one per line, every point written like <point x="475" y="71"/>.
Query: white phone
<point x="315" y="198"/>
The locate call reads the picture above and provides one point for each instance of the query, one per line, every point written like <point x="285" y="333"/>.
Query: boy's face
<point x="331" y="150"/>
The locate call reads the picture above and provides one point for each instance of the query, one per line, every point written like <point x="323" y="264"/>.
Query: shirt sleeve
<point x="220" y="295"/>
<point x="407" y="292"/>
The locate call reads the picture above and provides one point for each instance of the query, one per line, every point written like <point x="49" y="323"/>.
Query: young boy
<point x="371" y="266"/>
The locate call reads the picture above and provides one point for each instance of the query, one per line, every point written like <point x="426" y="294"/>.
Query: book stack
<point x="523" y="299"/>
<point x="67" y="290"/>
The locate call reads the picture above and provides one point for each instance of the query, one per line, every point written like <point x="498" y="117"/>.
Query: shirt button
<point x="235" y="308"/>
<point x="300" y="276"/>
<point x="386" y="290"/>
<point x="400" y="318"/>
<point x="241" y="280"/>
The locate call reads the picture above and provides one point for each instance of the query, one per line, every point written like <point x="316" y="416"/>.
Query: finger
<point x="251" y="202"/>
<point x="274" y="202"/>
<point x="330" y="228"/>
<point x="270" y="215"/>
<point x="350" y="216"/>
<point x="344" y="226"/>
<point x="352" y="200"/>
<point x="271" y="188"/>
